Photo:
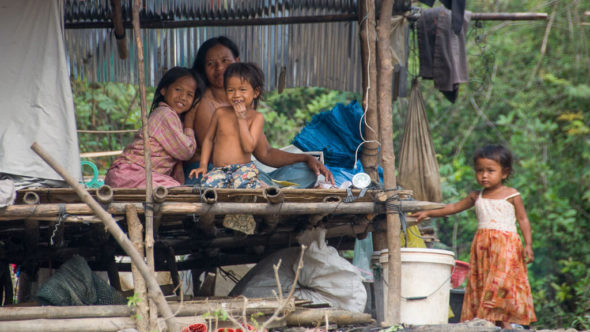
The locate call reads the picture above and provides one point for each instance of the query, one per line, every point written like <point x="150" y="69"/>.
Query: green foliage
<point x="132" y="302"/>
<point x="219" y="314"/>
<point x="287" y="112"/>
<point x="544" y="118"/>
<point x="106" y="106"/>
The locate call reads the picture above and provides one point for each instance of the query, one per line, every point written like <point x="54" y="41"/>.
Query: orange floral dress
<point x="497" y="286"/>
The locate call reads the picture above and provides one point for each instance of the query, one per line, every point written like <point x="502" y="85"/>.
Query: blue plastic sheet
<point x="335" y="132"/>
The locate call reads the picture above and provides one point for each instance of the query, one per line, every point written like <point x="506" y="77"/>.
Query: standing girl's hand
<point x="240" y="109"/>
<point x="420" y="215"/>
<point x="529" y="255"/>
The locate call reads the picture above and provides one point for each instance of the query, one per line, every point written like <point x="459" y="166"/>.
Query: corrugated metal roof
<point x="323" y="54"/>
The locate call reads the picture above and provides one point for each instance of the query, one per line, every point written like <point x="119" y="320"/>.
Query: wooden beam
<point x="100" y="154"/>
<point x="385" y="70"/>
<point x="167" y="24"/>
<point x="135" y="230"/>
<point x="185" y="309"/>
<point x="368" y="39"/>
<point x="16" y="212"/>
<point x="149" y="213"/>
<point x="117" y="19"/>
<point x="151" y="23"/>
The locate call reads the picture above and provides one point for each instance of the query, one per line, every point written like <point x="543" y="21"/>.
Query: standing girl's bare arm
<point x="452" y="208"/>
<point x="249" y="135"/>
<point x="525" y="227"/>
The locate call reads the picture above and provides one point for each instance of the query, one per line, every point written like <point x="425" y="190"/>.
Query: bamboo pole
<point x="15" y="212"/>
<point x="137" y="259"/>
<point x="368" y="38"/>
<point x="149" y="217"/>
<point x="314" y="317"/>
<point x="110" y="324"/>
<point x="185" y="309"/>
<point x="136" y="236"/>
<point x="508" y="16"/>
<point x="384" y="102"/>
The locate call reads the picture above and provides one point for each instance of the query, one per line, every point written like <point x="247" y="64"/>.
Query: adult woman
<point x="212" y="59"/>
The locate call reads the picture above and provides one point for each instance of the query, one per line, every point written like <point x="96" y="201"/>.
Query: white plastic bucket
<point x="426" y="284"/>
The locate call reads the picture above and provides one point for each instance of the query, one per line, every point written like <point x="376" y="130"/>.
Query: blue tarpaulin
<point x="335" y="132"/>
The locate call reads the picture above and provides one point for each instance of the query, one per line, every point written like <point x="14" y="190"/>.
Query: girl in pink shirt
<point x="178" y="91"/>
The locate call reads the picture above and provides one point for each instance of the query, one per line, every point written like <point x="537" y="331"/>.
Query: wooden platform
<point x="47" y="226"/>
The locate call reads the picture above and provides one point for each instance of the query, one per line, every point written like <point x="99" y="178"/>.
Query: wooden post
<point x="136" y="236"/>
<point x="384" y="103"/>
<point x="149" y="213"/>
<point x="118" y="235"/>
<point x="117" y="18"/>
<point x="368" y="38"/>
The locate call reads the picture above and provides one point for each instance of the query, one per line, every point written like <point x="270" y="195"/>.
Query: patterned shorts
<point x="237" y="176"/>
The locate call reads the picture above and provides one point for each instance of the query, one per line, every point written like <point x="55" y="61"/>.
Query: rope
<point x="62" y="216"/>
<point x="397" y="208"/>
<point x="365" y="107"/>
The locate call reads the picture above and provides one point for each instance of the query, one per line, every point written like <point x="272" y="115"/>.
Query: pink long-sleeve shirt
<point x="169" y="141"/>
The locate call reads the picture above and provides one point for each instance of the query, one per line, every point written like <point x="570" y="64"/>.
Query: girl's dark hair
<point x="170" y="77"/>
<point x="199" y="63"/>
<point x="498" y="153"/>
<point x="249" y="72"/>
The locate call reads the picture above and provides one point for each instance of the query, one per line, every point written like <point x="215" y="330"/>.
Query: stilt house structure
<point x="338" y="44"/>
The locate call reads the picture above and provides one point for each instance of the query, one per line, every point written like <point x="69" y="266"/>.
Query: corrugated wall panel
<point x="313" y="54"/>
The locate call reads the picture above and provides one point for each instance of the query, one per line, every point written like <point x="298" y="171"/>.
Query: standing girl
<point x="498" y="288"/>
<point x="178" y="91"/>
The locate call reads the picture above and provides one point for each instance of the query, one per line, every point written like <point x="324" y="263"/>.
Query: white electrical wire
<point x="364" y="116"/>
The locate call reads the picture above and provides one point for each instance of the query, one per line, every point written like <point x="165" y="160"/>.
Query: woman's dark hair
<point x="199" y="63"/>
<point x="498" y="153"/>
<point x="170" y="77"/>
<point x="249" y="72"/>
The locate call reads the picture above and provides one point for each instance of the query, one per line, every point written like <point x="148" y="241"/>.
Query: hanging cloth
<point x="418" y="168"/>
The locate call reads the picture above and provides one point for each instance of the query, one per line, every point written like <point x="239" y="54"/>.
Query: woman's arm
<point x="525" y="227"/>
<point x="207" y="148"/>
<point x="279" y="158"/>
<point x="203" y="115"/>
<point x="452" y="208"/>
